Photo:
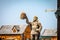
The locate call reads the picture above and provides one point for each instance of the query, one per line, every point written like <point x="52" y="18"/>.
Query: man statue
<point x="36" y="27"/>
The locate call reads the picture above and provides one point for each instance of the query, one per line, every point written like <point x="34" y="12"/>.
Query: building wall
<point x="49" y="38"/>
<point x="11" y="37"/>
<point x="54" y="38"/>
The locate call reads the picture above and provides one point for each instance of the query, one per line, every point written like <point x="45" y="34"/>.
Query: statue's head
<point x="35" y="18"/>
<point x="23" y="15"/>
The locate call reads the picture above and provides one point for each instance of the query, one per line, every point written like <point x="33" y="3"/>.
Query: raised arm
<point x="23" y="16"/>
<point x="27" y="20"/>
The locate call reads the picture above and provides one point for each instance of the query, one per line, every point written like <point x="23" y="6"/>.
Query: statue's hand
<point x="23" y="16"/>
<point x="37" y="30"/>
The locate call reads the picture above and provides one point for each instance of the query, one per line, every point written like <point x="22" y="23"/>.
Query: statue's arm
<point x="27" y="21"/>
<point x="40" y="27"/>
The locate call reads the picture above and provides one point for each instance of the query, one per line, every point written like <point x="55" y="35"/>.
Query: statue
<point x="36" y="27"/>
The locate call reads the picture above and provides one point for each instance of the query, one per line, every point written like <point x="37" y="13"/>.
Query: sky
<point x="10" y="11"/>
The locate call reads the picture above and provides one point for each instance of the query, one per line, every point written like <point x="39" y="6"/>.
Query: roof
<point x="50" y="32"/>
<point x="7" y="29"/>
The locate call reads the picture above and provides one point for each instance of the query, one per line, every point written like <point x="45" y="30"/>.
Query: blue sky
<point x="10" y="11"/>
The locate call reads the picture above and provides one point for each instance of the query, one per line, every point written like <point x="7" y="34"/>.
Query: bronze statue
<point x="36" y="27"/>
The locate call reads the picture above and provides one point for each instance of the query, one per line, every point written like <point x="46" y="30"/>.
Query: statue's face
<point x="35" y="18"/>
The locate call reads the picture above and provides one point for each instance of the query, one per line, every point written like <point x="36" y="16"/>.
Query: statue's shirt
<point x="34" y="27"/>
